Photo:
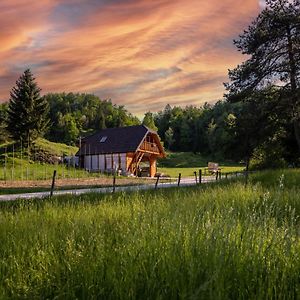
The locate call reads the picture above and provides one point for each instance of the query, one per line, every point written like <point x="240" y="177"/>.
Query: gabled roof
<point x="118" y="140"/>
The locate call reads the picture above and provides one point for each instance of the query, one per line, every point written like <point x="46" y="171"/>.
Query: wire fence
<point x="18" y="168"/>
<point x="29" y="165"/>
<point x="114" y="186"/>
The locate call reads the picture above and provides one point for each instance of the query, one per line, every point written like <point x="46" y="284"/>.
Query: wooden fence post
<point x="220" y="175"/>
<point x="179" y="179"/>
<point x="114" y="182"/>
<point x="53" y="183"/>
<point x="246" y="178"/>
<point x="226" y="175"/>
<point x="195" y="173"/>
<point x="200" y="176"/>
<point x="156" y="183"/>
<point x="5" y="160"/>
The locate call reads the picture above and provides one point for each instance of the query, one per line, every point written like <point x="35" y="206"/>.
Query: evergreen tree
<point x="3" y="120"/>
<point x="169" y="138"/>
<point x="27" y="111"/>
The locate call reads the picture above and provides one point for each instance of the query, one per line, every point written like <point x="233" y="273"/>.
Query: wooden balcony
<point x="149" y="147"/>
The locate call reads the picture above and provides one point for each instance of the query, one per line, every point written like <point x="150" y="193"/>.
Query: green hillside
<point x="16" y="163"/>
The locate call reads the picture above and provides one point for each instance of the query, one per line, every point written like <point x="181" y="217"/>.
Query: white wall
<point x="94" y="165"/>
<point x="87" y="162"/>
<point x="97" y="162"/>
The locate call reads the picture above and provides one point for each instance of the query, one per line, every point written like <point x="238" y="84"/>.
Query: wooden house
<point x="122" y="149"/>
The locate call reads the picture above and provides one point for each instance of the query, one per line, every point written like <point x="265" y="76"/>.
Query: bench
<point x="212" y="168"/>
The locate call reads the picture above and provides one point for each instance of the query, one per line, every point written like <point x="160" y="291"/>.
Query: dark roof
<point x="119" y="140"/>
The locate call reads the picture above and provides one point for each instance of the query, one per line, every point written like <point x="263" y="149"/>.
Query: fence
<point x="22" y="165"/>
<point x="114" y="187"/>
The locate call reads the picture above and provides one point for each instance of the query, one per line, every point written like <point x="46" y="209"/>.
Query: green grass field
<point x="17" y="165"/>
<point x="173" y="172"/>
<point x="29" y="170"/>
<point x="187" y="163"/>
<point x="191" y="160"/>
<point x="223" y="241"/>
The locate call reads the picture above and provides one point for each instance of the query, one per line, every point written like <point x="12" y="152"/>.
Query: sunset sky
<point x="140" y="53"/>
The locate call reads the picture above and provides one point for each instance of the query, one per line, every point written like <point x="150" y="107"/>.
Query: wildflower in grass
<point x="281" y="181"/>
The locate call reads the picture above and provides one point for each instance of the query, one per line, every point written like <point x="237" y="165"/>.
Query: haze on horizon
<point x="139" y="53"/>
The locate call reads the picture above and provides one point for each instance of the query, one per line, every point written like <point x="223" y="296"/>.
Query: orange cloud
<point x="142" y="54"/>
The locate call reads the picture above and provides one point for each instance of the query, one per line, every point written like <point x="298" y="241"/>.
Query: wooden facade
<point x="121" y="149"/>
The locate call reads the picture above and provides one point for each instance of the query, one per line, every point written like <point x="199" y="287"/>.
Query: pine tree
<point x="27" y="110"/>
<point x="272" y="44"/>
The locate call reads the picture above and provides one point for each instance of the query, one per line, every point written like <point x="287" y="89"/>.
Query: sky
<point x="141" y="54"/>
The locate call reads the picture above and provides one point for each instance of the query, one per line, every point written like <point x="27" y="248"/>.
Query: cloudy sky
<point x="140" y="53"/>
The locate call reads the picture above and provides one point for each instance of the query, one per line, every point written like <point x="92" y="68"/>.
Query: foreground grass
<point x="217" y="242"/>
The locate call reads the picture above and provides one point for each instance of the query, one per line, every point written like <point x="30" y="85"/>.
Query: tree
<point x="71" y="130"/>
<point x="149" y="121"/>
<point x="272" y="43"/>
<point x="254" y="123"/>
<point x="3" y="121"/>
<point x="27" y="111"/>
<point x="169" y="138"/>
<point x="88" y="112"/>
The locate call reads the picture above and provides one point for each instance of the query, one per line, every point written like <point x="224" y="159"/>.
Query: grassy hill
<point x="43" y="159"/>
<point x="223" y="241"/>
<point x="40" y="146"/>
<point x="55" y="148"/>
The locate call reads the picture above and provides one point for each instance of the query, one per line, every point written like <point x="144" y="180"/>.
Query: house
<point x="123" y="149"/>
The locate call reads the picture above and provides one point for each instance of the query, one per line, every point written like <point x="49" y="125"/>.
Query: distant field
<point x="173" y="172"/>
<point x="187" y="163"/>
<point x="224" y="241"/>
<point x="190" y="160"/>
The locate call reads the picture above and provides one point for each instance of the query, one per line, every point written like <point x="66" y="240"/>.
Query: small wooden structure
<point x="121" y="149"/>
<point x="212" y="168"/>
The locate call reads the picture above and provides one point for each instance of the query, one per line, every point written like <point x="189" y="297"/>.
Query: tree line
<point x="59" y="117"/>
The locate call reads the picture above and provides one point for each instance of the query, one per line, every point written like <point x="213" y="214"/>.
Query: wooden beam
<point x="152" y="162"/>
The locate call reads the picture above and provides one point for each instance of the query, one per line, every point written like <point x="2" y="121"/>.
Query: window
<point x="103" y="139"/>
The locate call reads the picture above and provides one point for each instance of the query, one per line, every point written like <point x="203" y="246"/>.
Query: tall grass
<point x="217" y="242"/>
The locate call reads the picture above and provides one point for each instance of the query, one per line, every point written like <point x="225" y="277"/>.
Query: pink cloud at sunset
<point x="142" y="54"/>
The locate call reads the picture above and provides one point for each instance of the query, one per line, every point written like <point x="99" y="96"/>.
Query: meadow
<point x="187" y="163"/>
<point x="218" y="241"/>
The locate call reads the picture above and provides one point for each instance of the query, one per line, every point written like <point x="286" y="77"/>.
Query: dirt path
<point x="105" y="181"/>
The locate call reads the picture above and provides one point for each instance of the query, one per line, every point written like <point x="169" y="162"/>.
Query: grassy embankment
<point x="210" y="242"/>
<point x="187" y="163"/>
<point x="19" y="166"/>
